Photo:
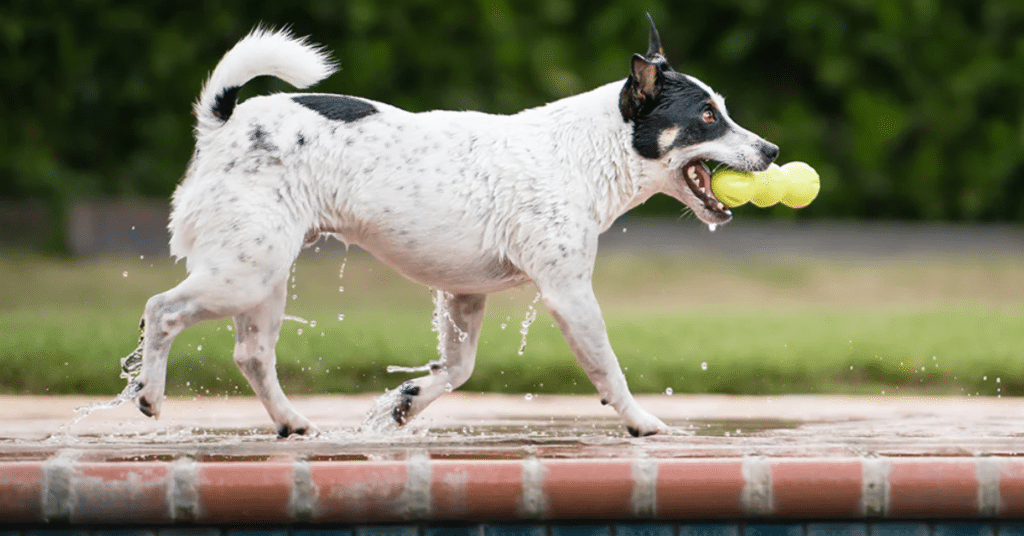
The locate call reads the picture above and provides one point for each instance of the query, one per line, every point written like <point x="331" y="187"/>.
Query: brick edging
<point x="283" y="490"/>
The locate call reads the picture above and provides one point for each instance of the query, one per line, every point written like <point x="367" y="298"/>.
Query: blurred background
<point x="912" y="111"/>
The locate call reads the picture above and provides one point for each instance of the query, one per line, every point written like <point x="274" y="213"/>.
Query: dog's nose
<point x="770" y="151"/>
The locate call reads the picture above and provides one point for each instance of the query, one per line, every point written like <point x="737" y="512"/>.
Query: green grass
<point x="761" y="325"/>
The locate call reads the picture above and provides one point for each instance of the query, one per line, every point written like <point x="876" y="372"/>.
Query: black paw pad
<point x="145" y="406"/>
<point x="284" y="431"/>
<point x="636" y="432"/>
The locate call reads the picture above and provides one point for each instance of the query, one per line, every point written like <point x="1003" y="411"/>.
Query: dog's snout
<point x="770" y="151"/>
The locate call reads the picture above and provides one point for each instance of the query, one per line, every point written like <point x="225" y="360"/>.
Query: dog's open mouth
<point x="698" y="177"/>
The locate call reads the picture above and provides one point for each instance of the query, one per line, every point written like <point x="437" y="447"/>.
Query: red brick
<point x="240" y="492"/>
<point x="933" y="487"/>
<point x="358" y="492"/>
<point x="696" y="488"/>
<point x="1011" y="487"/>
<point x="120" y="492"/>
<point x="817" y="488"/>
<point x="598" y="489"/>
<point x="21" y="491"/>
<point x="476" y="490"/>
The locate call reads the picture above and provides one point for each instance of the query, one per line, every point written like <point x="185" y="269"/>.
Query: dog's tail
<point x="262" y="52"/>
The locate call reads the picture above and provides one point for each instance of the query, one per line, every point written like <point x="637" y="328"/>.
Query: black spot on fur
<point x="337" y="107"/>
<point x="260" y="140"/>
<point x="224" y="104"/>
<point x="604" y="402"/>
<point x="301" y="140"/>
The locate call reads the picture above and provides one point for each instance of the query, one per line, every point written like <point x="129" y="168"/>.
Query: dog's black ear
<point x="642" y="87"/>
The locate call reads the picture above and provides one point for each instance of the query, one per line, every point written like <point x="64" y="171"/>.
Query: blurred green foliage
<point x="908" y="108"/>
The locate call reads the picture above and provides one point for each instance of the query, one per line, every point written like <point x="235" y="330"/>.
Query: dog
<point x="466" y="203"/>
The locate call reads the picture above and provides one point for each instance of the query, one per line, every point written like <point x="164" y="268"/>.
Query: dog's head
<point x="680" y="123"/>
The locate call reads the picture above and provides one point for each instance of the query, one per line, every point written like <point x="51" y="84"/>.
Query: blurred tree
<point x="909" y="109"/>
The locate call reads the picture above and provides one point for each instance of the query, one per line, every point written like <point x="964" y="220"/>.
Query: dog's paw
<point x="148" y="399"/>
<point x="300" y="428"/>
<point x="644" y="424"/>
<point x="400" y="413"/>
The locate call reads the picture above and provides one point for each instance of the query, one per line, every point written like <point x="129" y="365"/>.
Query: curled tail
<point x="262" y="52"/>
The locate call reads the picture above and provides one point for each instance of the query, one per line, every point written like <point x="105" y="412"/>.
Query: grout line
<point x="989" y="498"/>
<point x="418" y="479"/>
<point x="56" y="494"/>
<point x="757" y="497"/>
<point x="300" y="503"/>
<point x="875" y="492"/>
<point x="645" y="486"/>
<point x="182" y="493"/>
<point x="534" y="502"/>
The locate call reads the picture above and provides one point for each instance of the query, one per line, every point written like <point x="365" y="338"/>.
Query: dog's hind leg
<point x="459" y="317"/>
<point x="166" y="315"/>
<point x="257" y="332"/>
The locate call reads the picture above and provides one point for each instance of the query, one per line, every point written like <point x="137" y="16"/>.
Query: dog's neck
<point x="592" y="142"/>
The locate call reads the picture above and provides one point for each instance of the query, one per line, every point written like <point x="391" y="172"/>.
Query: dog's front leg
<point x="578" y="314"/>
<point x="458" y="318"/>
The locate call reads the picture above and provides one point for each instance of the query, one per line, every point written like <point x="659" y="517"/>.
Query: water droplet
<point x="503" y="326"/>
<point x="668" y="391"/>
<point x="124" y="273"/>
<point x="312" y="323"/>
<point x="999" y="380"/>
<point x="623" y="229"/>
<point x="528" y="397"/>
<point x="704" y="366"/>
<point x="142" y="257"/>
<point x="295" y="296"/>
<point x="316" y="249"/>
<point x="199" y="348"/>
<point x="712" y="227"/>
<point x="341" y="317"/>
<point x="984" y="378"/>
<point x="300" y="331"/>
<point x="341" y="289"/>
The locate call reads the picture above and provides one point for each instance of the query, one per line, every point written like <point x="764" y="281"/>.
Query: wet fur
<point x="463" y="202"/>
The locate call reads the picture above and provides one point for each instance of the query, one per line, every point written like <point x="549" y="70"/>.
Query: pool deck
<point x="474" y="457"/>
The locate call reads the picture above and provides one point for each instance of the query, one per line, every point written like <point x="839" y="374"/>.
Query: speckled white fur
<point x="463" y="202"/>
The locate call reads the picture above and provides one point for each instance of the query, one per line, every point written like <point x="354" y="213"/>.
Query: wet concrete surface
<point x="481" y="426"/>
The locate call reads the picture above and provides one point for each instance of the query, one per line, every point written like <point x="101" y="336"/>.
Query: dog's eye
<point x="709" y="116"/>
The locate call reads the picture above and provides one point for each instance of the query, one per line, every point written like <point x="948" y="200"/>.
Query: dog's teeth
<point x="691" y="172"/>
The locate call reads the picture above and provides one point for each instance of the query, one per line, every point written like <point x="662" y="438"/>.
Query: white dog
<point x="464" y="202"/>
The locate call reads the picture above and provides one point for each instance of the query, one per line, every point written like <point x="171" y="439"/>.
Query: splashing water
<point x="422" y="368"/>
<point x="294" y="318"/>
<point x="531" y="315"/>
<point x="712" y="227"/>
<point x="131" y="367"/>
<point x="379" y="419"/>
